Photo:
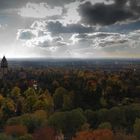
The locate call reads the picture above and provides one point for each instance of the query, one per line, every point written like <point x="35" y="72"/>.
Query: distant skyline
<point x="70" y="28"/>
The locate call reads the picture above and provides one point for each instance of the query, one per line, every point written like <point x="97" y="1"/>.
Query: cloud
<point x="85" y="45"/>
<point x="4" y="4"/>
<point x="25" y="34"/>
<point x="109" y="44"/>
<point x="41" y="10"/>
<point x="57" y="27"/>
<point x="72" y="15"/>
<point x="69" y="27"/>
<point x="39" y="25"/>
<point x="33" y="38"/>
<point x="103" y="44"/>
<point x="99" y="39"/>
<point x="107" y="14"/>
<point x="56" y="2"/>
<point x="43" y="41"/>
<point x="3" y="27"/>
<point x="67" y="13"/>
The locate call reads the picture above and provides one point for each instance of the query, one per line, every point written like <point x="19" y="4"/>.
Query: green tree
<point x="105" y="125"/>
<point x="69" y="122"/>
<point x="31" y="121"/>
<point x="137" y="128"/>
<point x="15" y="92"/>
<point x="59" y="96"/>
<point x="30" y="92"/>
<point x="29" y="103"/>
<point x="92" y="118"/>
<point x="8" y="108"/>
<point x="68" y="101"/>
<point x="103" y="115"/>
<point x="117" y="117"/>
<point x="26" y="137"/>
<point x="5" y="137"/>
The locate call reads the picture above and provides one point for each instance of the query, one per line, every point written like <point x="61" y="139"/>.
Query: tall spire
<point x="4" y="65"/>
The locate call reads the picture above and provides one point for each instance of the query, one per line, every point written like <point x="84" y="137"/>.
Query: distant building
<point x="4" y="66"/>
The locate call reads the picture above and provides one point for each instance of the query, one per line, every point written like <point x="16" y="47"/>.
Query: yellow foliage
<point x="1" y="99"/>
<point x="40" y="114"/>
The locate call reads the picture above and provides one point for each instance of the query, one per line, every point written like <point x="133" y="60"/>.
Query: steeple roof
<point x="4" y="63"/>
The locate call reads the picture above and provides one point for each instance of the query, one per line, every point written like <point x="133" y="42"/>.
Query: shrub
<point x="5" y="137"/>
<point x="15" y="130"/>
<point x="45" y="133"/>
<point x="137" y="128"/>
<point x="122" y="136"/>
<point x="26" y="137"/>
<point x="31" y="121"/>
<point x="105" y="125"/>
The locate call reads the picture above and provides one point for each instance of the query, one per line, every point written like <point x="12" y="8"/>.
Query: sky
<point x="70" y="28"/>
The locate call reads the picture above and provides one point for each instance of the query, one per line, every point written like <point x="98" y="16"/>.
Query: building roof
<point x="4" y="63"/>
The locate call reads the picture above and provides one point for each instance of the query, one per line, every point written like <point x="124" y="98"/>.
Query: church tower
<point x="4" y="66"/>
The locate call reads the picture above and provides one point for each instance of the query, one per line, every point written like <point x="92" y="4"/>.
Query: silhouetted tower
<point x="4" y="66"/>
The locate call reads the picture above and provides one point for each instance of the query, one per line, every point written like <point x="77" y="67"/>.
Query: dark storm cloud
<point x="120" y="2"/>
<point x="57" y="27"/>
<point x="107" y="14"/>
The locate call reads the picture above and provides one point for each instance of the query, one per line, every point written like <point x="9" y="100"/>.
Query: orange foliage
<point x="15" y="130"/>
<point x="103" y="134"/>
<point x="45" y="133"/>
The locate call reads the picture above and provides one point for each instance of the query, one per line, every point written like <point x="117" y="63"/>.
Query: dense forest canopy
<point x="70" y="104"/>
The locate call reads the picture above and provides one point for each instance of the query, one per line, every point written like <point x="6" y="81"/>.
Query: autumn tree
<point x="8" y="107"/>
<point x="44" y="133"/>
<point x="15" y="130"/>
<point x="31" y="121"/>
<point x="15" y="93"/>
<point x="103" y="134"/>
